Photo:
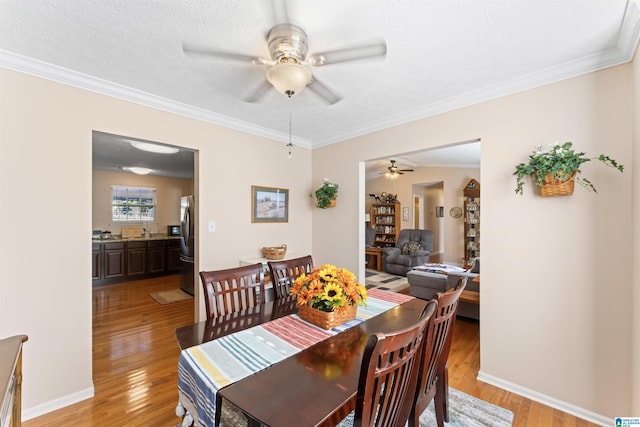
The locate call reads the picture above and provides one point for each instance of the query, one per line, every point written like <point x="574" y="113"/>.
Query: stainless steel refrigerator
<point x="187" y="244"/>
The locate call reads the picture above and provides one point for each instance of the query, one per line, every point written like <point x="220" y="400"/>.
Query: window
<point x="133" y="204"/>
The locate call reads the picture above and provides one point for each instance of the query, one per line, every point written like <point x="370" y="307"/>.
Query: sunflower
<point x="331" y="292"/>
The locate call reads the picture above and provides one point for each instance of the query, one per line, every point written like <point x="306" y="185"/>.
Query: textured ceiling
<point x="442" y="54"/>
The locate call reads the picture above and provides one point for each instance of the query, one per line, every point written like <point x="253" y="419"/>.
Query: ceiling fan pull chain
<point x="290" y="144"/>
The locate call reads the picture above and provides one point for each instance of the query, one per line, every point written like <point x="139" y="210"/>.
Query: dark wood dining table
<point x="306" y="389"/>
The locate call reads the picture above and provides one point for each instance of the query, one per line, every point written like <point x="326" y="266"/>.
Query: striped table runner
<point x="205" y="368"/>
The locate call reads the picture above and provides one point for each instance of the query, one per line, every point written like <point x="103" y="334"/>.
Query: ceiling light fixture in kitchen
<point x="154" y="148"/>
<point x="139" y="171"/>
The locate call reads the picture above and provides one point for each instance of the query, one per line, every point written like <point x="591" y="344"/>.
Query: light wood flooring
<point x="135" y="360"/>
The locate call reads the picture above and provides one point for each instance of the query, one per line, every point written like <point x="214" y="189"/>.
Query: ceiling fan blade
<point x="406" y="170"/>
<point x="348" y="54"/>
<point x="210" y="53"/>
<point x="323" y="91"/>
<point x="257" y="94"/>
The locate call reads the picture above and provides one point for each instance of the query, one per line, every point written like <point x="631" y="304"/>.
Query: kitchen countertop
<point x="117" y="238"/>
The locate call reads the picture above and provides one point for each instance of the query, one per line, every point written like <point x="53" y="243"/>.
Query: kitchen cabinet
<point x="96" y="261"/>
<point x="156" y="256"/>
<point x="174" y="250"/>
<point x="120" y="261"/>
<point x="136" y="259"/>
<point x="113" y="255"/>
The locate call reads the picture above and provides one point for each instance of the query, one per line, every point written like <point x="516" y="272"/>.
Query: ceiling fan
<point x="288" y="69"/>
<point x="393" y="171"/>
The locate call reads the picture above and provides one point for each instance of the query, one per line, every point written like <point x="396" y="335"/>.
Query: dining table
<point x="278" y="369"/>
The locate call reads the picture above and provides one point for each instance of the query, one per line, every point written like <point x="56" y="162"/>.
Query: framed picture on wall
<point x="405" y="213"/>
<point x="269" y="204"/>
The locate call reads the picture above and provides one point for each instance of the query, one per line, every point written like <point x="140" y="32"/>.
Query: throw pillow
<point x="410" y="248"/>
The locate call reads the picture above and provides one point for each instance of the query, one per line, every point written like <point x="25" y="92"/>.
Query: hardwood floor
<point x="135" y="358"/>
<point x="135" y="361"/>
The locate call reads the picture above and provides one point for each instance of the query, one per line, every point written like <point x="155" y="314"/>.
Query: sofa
<point x="413" y="248"/>
<point x="426" y="284"/>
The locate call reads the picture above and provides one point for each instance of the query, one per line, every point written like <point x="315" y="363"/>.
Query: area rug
<point x="167" y="297"/>
<point x="385" y="281"/>
<point x="464" y="411"/>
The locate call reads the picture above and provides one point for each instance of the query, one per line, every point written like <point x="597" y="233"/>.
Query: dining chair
<point x="433" y="371"/>
<point x="389" y="375"/>
<point x="283" y="273"/>
<point x="233" y="289"/>
<point x="219" y="326"/>
<point x="284" y="306"/>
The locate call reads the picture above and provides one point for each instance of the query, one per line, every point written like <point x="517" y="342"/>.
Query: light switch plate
<point x="212" y="226"/>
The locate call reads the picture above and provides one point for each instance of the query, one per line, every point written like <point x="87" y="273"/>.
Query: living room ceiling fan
<point x="393" y="171"/>
<point x="289" y="66"/>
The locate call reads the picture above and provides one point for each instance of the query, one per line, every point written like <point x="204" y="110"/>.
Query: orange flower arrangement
<point x="329" y="288"/>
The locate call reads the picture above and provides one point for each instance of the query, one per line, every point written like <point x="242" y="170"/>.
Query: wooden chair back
<point x="389" y="374"/>
<point x="283" y="273"/>
<point x="233" y="289"/>
<point x="230" y="323"/>
<point x="437" y="344"/>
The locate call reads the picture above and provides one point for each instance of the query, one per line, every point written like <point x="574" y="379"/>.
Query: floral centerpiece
<point x="328" y="295"/>
<point x="558" y="164"/>
<point x="326" y="194"/>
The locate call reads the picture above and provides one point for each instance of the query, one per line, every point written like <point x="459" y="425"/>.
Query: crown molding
<point x="44" y="70"/>
<point x="623" y="52"/>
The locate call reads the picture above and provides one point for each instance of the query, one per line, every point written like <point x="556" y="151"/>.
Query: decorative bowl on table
<point x="328" y="296"/>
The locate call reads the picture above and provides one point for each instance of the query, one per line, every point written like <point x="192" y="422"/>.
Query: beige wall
<point x="168" y="193"/>
<point x="556" y="272"/>
<point x="45" y="291"/>
<point x="454" y="179"/>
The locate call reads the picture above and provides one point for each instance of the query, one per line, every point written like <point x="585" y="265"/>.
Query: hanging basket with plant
<point x="555" y="169"/>
<point x="326" y="195"/>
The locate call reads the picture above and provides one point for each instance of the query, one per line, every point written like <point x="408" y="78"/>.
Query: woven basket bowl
<point x="274" y="252"/>
<point x="324" y="319"/>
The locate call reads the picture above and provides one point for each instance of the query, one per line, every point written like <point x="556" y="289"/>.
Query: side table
<point x="376" y="253"/>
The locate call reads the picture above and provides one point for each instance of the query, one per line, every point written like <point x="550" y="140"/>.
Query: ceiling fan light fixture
<point x="154" y="148"/>
<point x="289" y="78"/>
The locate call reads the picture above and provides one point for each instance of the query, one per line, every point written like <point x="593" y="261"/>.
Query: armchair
<point x="412" y="248"/>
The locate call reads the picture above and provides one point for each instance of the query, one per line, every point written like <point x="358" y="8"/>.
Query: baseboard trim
<point x="546" y="400"/>
<point x="55" y="404"/>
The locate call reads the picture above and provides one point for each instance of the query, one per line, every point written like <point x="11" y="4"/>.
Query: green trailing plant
<point x="326" y="193"/>
<point x="561" y="161"/>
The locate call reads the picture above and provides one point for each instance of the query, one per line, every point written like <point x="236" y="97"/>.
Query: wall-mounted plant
<point x="326" y="195"/>
<point x="554" y="169"/>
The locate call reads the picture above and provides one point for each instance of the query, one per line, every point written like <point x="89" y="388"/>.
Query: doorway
<point x="168" y="175"/>
<point x="428" y="198"/>
<point x="447" y="169"/>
